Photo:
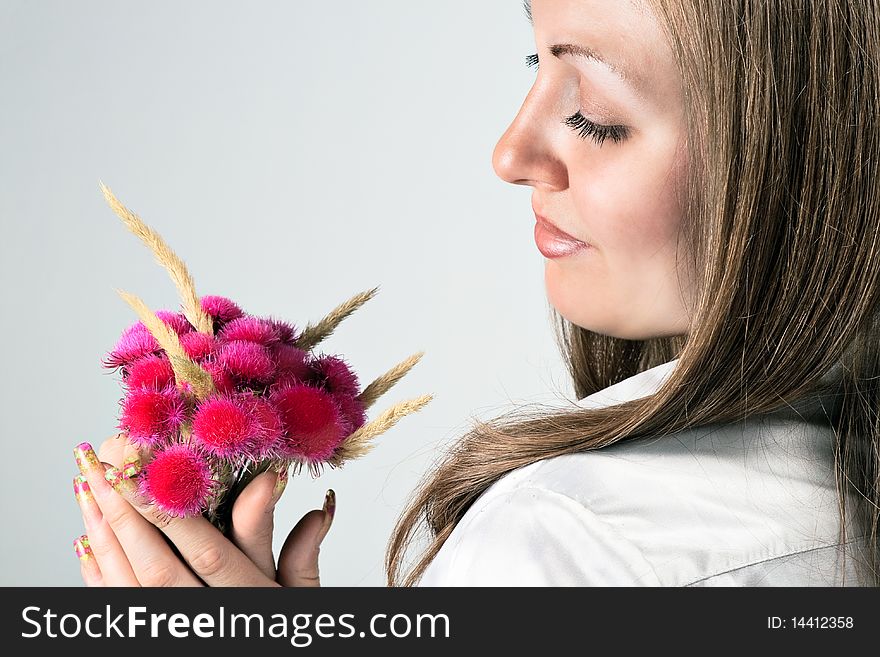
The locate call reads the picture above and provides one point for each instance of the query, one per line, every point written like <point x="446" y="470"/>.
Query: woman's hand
<point x="124" y="543"/>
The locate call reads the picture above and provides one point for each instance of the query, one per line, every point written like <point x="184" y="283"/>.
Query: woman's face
<point x="614" y="190"/>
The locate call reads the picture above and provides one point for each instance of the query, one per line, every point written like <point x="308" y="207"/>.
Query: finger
<point x="150" y="559"/>
<point x="210" y="555"/>
<point x="106" y="550"/>
<point x="298" y="560"/>
<point x="112" y="450"/>
<point x="253" y="518"/>
<point x="88" y="566"/>
<point x="119" y="451"/>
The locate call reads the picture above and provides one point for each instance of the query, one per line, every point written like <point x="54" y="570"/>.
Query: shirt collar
<point x="639" y="385"/>
<point x="821" y="405"/>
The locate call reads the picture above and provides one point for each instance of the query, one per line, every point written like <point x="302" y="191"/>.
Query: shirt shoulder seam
<point x="769" y="559"/>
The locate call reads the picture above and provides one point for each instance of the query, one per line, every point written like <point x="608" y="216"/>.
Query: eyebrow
<point x="559" y="49"/>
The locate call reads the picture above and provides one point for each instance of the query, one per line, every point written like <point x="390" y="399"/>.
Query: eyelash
<point x="583" y="126"/>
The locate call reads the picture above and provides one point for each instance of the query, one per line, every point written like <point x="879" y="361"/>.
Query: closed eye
<point x="583" y="126"/>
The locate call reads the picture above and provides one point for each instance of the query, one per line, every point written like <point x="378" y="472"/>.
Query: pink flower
<point x="353" y="411"/>
<point x="270" y="426"/>
<point x="223" y="380"/>
<point x="150" y="371"/>
<point x="198" y="345"/>
<point x="250" y="329"/>
<point x="247" y="361"/>
<point x="334" y="375"/>
<point x="177" y="321"/>
<point x="223" y="426"/>
<point x="290" y="360"/>
<point x="220" y="309"/>
<point x="152" y="417"/>
<point x="287" y="332"/>
<point x="178" y="480"/>
<point x="136" y="341"/>
<point x="312" y="420"/>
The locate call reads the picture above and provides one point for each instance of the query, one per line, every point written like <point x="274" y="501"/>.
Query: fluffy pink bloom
<point x="270" y="426"/>
<point x="286" y="331"/>
<point x="353" y="412"/>
<point x="177" y="321"/>
<point x="152" y="417"/>
<point x="250" y="329"/>
<point x="312" y="420"/>
<point x="247" y="361"/>
<point x="178" y="480"/>
<point x="290" y="360"/>
<point x="334" y="375"/>
<point x="198" y="345"/>
<point x="223" y="380"/>
<point x="223" y="426"/>
<point x="221" y="309"/>
<point x="136" y="341"/>
<point x="150" y="371"/>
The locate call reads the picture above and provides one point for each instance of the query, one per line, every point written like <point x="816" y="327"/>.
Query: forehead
<point x="625" y="33"/>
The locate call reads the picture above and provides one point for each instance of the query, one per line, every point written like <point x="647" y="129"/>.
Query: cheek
<point x="627" y="207"/>
<point x="627" y="204"/>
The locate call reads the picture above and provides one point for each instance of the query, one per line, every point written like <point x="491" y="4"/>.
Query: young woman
<point x="703" y="180"/>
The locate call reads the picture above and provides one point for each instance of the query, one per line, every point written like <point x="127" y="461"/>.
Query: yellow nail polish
<point x="330" y="503"/>
<point x="81" y="490"/>
<point x="131" y="467"/>
<point x="280" y="484"/>
<point x="85" y="457"/>
<point x="121" y="484"/>
<point x="82" y="548"/>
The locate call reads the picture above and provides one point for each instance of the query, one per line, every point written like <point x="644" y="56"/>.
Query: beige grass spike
<point x="357" y="443"/>
<point x="184" y="368"/>
<point x="312" y="335"/>
<point x="176" y="268"/>
<point x="383" y="383"/>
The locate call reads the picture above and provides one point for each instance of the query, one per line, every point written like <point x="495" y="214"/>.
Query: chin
<point x="594" y="309"/>
<point x="581" y="304"/>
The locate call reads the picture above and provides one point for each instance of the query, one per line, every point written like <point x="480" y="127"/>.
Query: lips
<point x="553" y="242"/>
<point x="552" y="228"/>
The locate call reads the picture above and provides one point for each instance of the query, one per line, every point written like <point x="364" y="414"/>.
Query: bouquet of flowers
<point x="213" y="395"/>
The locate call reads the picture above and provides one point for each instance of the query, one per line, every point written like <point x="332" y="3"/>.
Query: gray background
<point x="294" y="154"/>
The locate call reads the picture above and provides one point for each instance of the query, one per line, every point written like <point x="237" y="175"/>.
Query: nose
<point x="524" y="155"/>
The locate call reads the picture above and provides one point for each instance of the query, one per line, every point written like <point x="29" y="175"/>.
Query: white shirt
<point x="751" y="503"/>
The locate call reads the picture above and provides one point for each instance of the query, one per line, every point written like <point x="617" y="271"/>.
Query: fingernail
<point x="81" y="547"/>
<point x="121" y="484"/>
<point x="329" y="511"/>
<point x="81" y="490"/>
<point x="280" y="485"/>
<point x="85" y="457"/>
<point x="131" y="467"/>
<point x="330" y="503"/>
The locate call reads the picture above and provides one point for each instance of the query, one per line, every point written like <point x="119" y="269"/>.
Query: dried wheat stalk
<point x="184" y="368"/>
<point x="312" y="335"/>
<point x="357" y="444"/>
<point x="176" y="268"/>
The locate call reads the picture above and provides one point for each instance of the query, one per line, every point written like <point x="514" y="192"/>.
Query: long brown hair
<point x="782" y="212"/>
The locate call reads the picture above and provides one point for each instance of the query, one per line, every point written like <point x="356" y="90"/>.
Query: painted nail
<point x="85" y="457"/>
<point x="81" y="490"/>
<point x="115" y="478"/>
<point x="280" y="485"/>
<point x="81" y="547"/>
<point x="131" y="467"/>
<point x="329" y="512"/>
<point x="330" y="503"/>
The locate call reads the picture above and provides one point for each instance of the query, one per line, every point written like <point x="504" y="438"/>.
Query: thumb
<point x="253" y="515"/>
<point x="298" y="559"/>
